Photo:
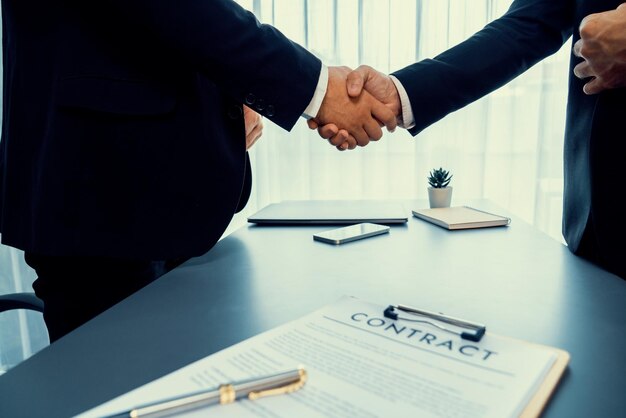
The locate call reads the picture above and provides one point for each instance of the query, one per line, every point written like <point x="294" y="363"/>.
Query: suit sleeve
<point x="530" y="31"/>
<point x="254" y="63"/>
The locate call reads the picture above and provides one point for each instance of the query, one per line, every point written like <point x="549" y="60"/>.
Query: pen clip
<point x="473" y="331"/>
<point x="289" y="388"/>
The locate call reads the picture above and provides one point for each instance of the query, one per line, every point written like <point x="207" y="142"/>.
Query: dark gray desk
<point x="518" y="281"/>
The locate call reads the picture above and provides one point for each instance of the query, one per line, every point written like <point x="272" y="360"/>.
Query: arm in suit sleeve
<point x="527" y="33"/>
<point x="249" y="60"/>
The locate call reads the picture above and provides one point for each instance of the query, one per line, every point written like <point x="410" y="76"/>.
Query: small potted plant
<point x="439" y="193"/>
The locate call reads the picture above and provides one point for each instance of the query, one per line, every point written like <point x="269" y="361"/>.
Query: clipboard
<point x="473" y="331"/>
<point x="539" y="400"/>
<point x="336" y="340"/>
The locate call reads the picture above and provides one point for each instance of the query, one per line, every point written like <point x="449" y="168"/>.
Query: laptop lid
<point x="330" y="212"/>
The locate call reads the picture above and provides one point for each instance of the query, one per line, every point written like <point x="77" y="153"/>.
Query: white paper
<point x="362" y="365"/>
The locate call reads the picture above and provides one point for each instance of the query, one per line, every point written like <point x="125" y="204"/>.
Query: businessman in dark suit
<point x="123" y="140"/>
<point x="594" y="226"/>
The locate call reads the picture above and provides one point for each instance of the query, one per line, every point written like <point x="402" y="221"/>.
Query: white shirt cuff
<point x="408" y="119"/>
<point x="313" y="108"/>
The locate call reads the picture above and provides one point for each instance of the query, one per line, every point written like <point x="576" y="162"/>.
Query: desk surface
<point x="516" y="280"/>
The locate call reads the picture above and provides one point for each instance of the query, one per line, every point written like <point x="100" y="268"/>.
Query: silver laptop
<point x="330" y="212"/>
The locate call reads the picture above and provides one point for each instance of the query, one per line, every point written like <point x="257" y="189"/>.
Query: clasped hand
<point x="350" y="115"/>
<point x="602" y="45"/>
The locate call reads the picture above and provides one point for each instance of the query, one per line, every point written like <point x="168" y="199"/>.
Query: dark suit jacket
<point x="122" y="125"/>
<point x="595" y="139"/>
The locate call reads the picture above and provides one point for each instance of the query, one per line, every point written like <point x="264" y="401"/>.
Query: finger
<point x="257" y="131"/>
<point x="586" y="25"/>
<point x="352" y="144"/>
<point x="595" y="86"/>
<point x="312" y="124"/>
<point x="362" y="138"/>
<point x="357" y="79"/>
<point x="342" y="147"/>
<point x="577" y="47"/>
<point x="254" y="136"/>
<point x="373" y="130"/>
<point x="384" y="115"/>
<point x="250" y="140"/>
<point x="348" y="140"/>
<point x="328" y="131"/>
<point x="339" y="138"/>
<point x="583" y="70"/>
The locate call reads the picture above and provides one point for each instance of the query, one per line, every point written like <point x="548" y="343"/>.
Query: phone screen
<point x="350" y="233"/>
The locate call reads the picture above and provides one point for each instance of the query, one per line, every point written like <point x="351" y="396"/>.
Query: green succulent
<point x="439" y="178"/>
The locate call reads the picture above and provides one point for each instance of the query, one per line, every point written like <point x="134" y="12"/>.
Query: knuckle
<point x="585" y="50"/>
<point x="589" y="28"/>
<point x="327" y="134"/>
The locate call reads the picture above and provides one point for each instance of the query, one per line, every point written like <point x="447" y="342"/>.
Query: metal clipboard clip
<point x="472" y="331"/>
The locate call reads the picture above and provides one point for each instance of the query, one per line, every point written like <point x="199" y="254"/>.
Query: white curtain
<point x="506" y="147"/>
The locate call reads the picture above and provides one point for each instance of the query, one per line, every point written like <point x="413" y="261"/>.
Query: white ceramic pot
<point x="440" y="197"/>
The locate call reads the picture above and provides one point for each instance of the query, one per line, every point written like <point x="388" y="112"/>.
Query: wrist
<point x="394" y="102"/>
<point x="406" y="119"/>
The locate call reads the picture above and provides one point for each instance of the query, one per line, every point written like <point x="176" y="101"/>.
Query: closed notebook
<point x="461" y="217"/>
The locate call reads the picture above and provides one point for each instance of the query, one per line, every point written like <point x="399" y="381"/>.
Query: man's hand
<point x="359" y="118"/>
<point x="602" y="44"/>
<point x="375" y="83"/>
<point x="254" y="126"/>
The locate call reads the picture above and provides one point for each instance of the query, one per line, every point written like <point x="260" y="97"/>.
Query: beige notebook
<point x="461" y="217"/>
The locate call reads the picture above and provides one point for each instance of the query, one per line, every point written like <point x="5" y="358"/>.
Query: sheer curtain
<point x="506" y="147"/>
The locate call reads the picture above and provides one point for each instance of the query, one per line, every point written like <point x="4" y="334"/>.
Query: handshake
<point x="356" y="106"/>
<point x="359" y="103"/>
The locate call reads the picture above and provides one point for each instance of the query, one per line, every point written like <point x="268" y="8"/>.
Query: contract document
<point x="361" y="364"/>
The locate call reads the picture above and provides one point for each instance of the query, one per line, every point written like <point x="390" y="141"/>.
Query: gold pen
<point x="276" y="384"/>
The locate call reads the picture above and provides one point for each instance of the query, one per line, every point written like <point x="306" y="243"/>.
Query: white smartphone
<point x="350" y="233"/>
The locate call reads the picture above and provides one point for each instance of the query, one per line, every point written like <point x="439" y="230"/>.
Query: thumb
<point x="357" y="79"/>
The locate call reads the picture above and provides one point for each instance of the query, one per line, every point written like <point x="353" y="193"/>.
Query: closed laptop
<point x="330" y="212"/>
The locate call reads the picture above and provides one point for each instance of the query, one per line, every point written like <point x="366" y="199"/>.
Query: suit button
<point x="270" y="111"/>
<point x="235" y="112"/>
<point x="250" y="99"/>
<point x="260" y="105"/>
